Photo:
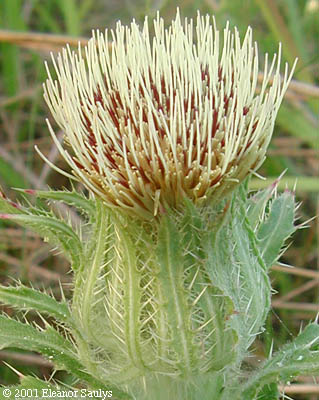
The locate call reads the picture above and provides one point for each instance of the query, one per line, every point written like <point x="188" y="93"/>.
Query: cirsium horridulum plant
<point x="171" y="264"/>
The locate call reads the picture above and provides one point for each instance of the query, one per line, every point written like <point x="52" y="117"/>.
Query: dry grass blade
<point x="41" y="40"/>
<point x="295" y="306"/>
<point x="299" y="290"/>
<point x="30" y="92"/>
<point x="53" y="42"/>
<point x="25" y="359"/>
<point x="307" y="273"/>
<point x="35" y="269"/>
<point x="300" y="388"/>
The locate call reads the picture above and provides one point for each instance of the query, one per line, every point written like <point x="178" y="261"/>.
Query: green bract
<point x="172" y="304"/>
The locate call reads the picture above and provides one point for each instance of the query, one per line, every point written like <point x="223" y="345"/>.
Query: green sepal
<point x="215" y="304"/>
<point x="272" y="218"/>
<point x="256" y="205"/>
<point x="25" y="298"/>
<point x="170" y="261"/>
<point x="74" y="199"/>
<point x="301" y="356"/>
<point x="55" y="231"/>
<point x="87" y="294"/>
<point x="132" y="300"/>
<point x="277" y="227"/>
<point x="235" y="266"/>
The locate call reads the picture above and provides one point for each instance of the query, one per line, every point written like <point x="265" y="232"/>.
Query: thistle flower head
<point x="151" y="121"/>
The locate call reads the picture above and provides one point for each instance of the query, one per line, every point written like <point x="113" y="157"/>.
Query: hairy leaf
<point x="75" y="199"/>
<point x="55" y="231"/>
<point x="51" y="345"/>
<point x="301" y="356"/>
<point x="26" y="298"/>
<point x="277" y="227"/>
<point x="256" y="205"/>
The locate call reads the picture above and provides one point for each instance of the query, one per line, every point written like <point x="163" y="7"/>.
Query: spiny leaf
<point x="277" y="227"/>
<point x="8" y="206"/>
<point x="213" y="303"/>
<point x="48" y="342"/>
<point x="299" y="357"/>
<point x="30" y="299"/>
<point x="75" y="199"/>
<point x="55" y="231"/>
<point x="51" y="345"/>
<point x="269" y="392"/>
<point x="256" y="205"/>
<point x="235" y="266"/>
<point x="32" y="382"/>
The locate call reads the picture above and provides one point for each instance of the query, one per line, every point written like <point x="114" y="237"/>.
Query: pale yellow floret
<point x="150" y="121"/>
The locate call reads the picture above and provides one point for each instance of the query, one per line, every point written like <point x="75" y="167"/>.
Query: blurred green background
<point x="23" y="256"/>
